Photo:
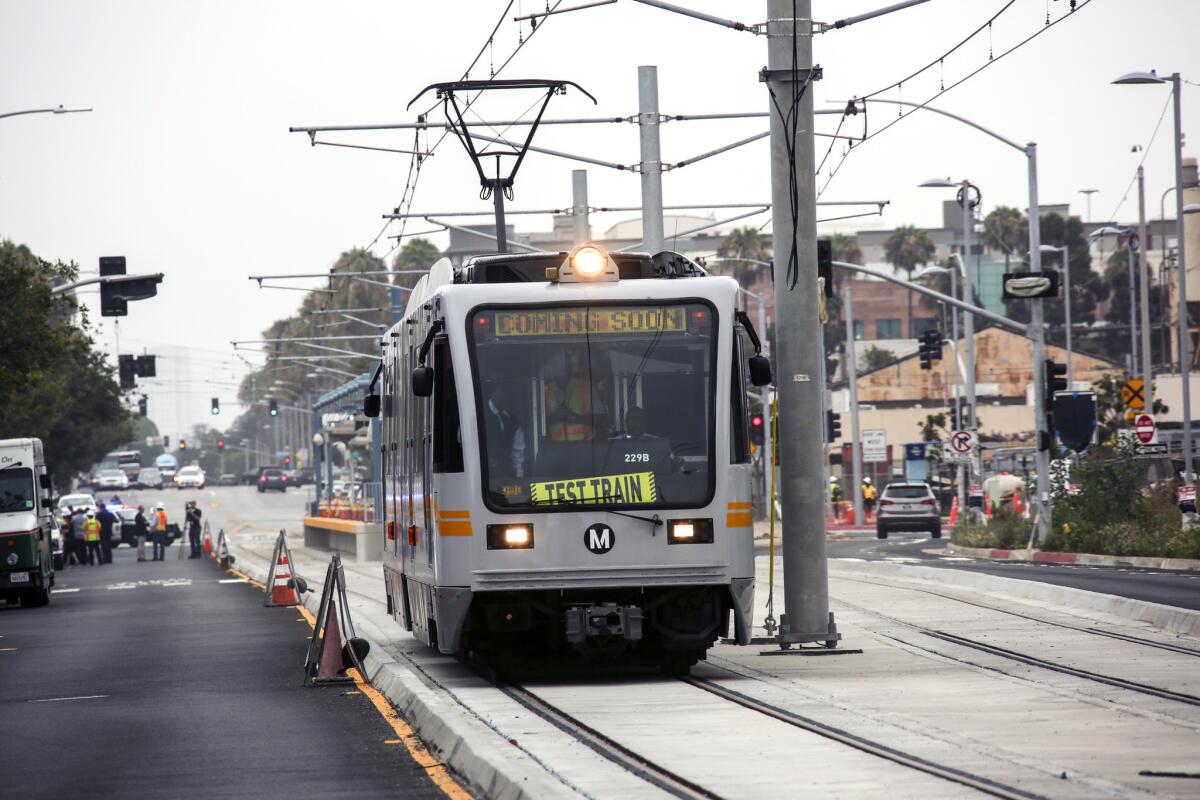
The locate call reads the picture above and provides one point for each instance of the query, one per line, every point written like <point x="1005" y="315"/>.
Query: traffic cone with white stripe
<point x="281" y="588"/>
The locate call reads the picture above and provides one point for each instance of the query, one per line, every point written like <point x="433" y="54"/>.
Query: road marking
<point x="233" y="580"/>
<point x="393" y="741"/>
<point x="63" y="591"/>
<point x="435" y="769"/>
<point x="7" y="649"/>
<point x="155" y="582"/>
<point x="60" y="699"/>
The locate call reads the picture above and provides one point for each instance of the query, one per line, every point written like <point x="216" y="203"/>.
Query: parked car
<point x="189" y="478"/>
<point x="272" y="478"/>
<point x="908" y="506"/>
<point x="149" y="478"/>
<point x="71" y="501"/>
<point x="112" y="479"/>
<point x="124" y="531"/>
<point x="227" y="479"/>
<point x="304" y="477"/>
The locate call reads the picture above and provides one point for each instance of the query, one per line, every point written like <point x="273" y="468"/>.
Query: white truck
<point x="27" y="524"/>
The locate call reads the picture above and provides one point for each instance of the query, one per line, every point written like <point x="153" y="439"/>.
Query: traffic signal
<point x="216" y="406"/>
<point x="930" y="348"/>
<point x="833" y="426"/>
<point x="220" y="445"/>
<point x="145" y="367"/>
<point x="1055" y="381"/>
<point x="111" y="305"/>
<point x="273" y="407"/>
<point x="952" y="414"/>
<point x="182" y="444"/>
<point x="142" y="406"/>
<point x="287" y="461"/>
<point x="166" y="442"/>
<point x="756" y="430"/>
<point x="825" y="264"/>
<point x="126" y="371"/>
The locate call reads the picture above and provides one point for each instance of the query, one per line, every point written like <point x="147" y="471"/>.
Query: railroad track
<point x="1025" y="658"/>
<point x="1173" y="648"/>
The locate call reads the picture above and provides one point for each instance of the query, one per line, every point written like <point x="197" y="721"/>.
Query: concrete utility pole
<point x="968" y="221"/>
<point x="798" y="327"/>
<point x="651" y="160"/>
<point x="1144" y="277"/>
<point x="1038" y="331"/>
<point x="852" y="383"/>
<point x="579" y="206"/>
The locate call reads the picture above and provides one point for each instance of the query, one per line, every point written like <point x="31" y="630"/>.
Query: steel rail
<point x="976" y="782"/>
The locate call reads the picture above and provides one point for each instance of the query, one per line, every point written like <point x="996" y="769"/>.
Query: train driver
<point x="505" y="436"/>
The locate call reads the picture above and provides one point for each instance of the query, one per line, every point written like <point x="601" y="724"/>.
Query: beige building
<point x="898" y="397"/>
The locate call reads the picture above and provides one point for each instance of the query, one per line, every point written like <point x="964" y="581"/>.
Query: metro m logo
<point x="599" y="538"/>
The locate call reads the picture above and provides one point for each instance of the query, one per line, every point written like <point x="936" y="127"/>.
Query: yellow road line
<point x="435" y="769"/>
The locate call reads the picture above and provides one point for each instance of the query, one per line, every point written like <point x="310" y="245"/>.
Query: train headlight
<point x="587" y="263"/>
<point x="689" y="531"/>
<point x="510" y="537"/>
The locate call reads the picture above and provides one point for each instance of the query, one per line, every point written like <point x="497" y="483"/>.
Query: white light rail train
<point x="566" y="466"/>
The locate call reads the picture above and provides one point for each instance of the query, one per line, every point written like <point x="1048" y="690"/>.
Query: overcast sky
<point x="186" y="165"/>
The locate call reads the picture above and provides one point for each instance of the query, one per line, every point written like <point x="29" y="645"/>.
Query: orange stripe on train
<point x="739" y="519"/>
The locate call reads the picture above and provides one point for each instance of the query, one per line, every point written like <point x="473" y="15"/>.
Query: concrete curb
<point x="1070" y="600"/>
<point x="476" y="754"/>
<point x="1087" y="559"/>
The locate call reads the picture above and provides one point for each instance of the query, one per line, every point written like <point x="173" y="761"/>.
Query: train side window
<point x="447" y="437"/>
<point x="739" y="445"/>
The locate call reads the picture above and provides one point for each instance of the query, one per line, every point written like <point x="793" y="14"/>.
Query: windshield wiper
<point x="12" y="465"/>
<point x="655" y="520"/>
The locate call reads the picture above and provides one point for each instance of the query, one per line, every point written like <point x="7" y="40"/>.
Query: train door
<point x="407" y="442"/>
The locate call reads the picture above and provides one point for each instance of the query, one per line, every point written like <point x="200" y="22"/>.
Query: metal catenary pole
<point x="852" y="384"/>
<point x="651" y="159"/>
<point x="797" y="325"/>
<point x="579" y="206"/>
<point x="1185" y="336"/>
<point x="969" y="295"/>
<point x="1038" y="329"/>
<point x="1066" y="271"/>
<point x="1144" y="288"/>
<point x="1131" y="264"/>
<point x="765" y="399"/>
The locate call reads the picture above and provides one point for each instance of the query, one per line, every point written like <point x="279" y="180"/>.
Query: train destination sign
<point x="570" y="321"/>
<point x="632" y="488"/>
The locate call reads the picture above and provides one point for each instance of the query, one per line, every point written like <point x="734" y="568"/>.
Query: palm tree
<point x="845" y="248"/>
<point x="906" y="249"/>
<point x="745" y="242"/>
<point x="1006" y="228"/>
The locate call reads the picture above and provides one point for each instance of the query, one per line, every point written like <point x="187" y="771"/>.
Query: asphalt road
<point x="171" y="680"/>
<point x="1170" y="588"/>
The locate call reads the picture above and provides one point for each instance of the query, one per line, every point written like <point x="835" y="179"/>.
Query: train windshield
<point x="595" y="405"/>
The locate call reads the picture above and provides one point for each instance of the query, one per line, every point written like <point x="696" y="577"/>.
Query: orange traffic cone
<point x="281" y="588"/>
<point x="332" y="666"/>
<point x="1017" y="506"/>
<point x="954" y="511"/>
<point x="208" y="545"/>
<point x="987" y="507"/>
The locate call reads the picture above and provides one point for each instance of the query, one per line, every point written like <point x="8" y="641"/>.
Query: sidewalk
<point x="1088" y="559"/>
<point x="932" y="697"/>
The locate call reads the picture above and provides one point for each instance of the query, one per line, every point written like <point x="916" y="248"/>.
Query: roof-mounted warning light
<point x="587" y="263"/>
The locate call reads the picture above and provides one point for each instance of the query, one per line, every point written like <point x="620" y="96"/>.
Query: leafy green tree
<point x="746" y="243"/>
<point x="907" y="248"/>
<point x="54" y="383"/>
<point x="873" y="358"/>
<point x="933" y="429"/>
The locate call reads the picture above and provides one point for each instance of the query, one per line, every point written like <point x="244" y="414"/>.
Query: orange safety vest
<point x="160" y="521"/>
<point x="91" y="530"/>
<point x="575" y="403"/>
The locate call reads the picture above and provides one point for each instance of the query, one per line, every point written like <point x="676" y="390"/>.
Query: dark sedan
<point x="272" y="479"/>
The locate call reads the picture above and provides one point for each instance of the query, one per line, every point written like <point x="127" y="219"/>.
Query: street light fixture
<point x="1185" y="344"/>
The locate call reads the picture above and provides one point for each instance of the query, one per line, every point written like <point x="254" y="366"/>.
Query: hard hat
<point x="160" y="505"/>
<point x="91" y="514"/>
<point x="866" y="480"/>
<point x="833" y="478"/>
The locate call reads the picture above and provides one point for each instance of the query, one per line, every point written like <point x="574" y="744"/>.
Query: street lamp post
<point x="56" y="110"/>
<point x="1064" y="253"/>
<point x="1185" y="344"/>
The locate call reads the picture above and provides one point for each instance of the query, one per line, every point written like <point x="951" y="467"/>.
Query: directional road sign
<point x="1144" y="429"/>
<point x="1149" y="450"/>
<point x="964" y="442"/>
<point x="1133" y="394"/>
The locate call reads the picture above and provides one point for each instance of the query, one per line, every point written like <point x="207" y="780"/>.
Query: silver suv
<point x="908" y="506"/>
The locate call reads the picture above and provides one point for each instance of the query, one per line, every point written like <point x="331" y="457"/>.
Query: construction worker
<point x="192" y="520"/>
<point x="67" y="532"/>
<point x="79" y="547"/>
<point x="91" y="539"/>
<point x="836" y="497"/>
<point x="868" y="495"/>
<point x="159" y="535"/>
<point x="569" y="400"/>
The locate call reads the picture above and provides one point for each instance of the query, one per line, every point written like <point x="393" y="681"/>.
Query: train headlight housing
<point x="588" y="263"/>
<point x="517" y="536"/>
<point x="689" y="531"/>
